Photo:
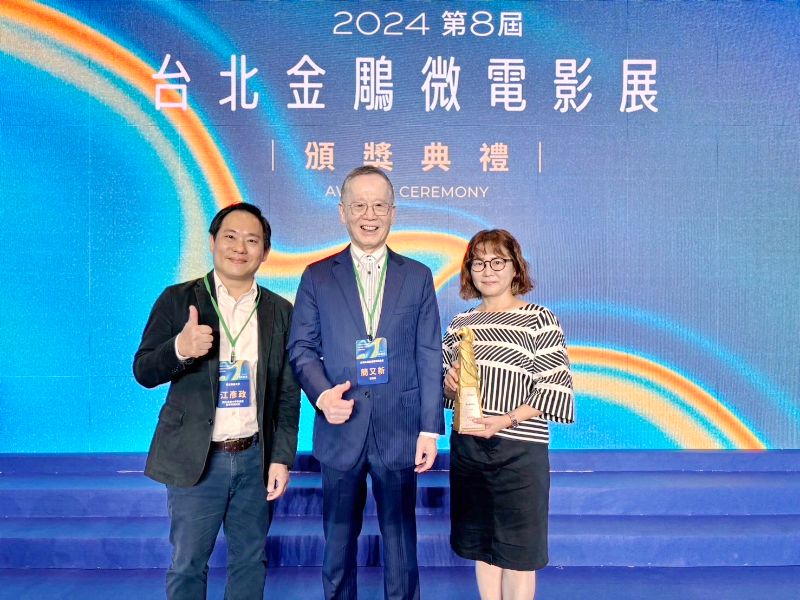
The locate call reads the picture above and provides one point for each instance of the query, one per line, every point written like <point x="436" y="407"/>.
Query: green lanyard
<point x="371" y="311"/>
<point x="232" y="340"/>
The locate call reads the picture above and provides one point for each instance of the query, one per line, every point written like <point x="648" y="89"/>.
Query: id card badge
<point x="234" y="384"/>
<point x="372" y="361"/>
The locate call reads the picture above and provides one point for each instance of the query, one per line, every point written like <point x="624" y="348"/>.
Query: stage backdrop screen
<point x="645" y="154"/>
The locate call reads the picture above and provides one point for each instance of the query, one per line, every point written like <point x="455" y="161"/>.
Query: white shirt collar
<point x="221" y="289"/>
<point x="358" y="254"/>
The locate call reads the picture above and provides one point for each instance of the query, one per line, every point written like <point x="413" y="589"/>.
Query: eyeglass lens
<point x="380" y="209"/>
<point x="497" y="264"/>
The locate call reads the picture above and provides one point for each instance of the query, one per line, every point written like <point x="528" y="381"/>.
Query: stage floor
<point x="303" y="583"/>
<point x="624" y="525"/>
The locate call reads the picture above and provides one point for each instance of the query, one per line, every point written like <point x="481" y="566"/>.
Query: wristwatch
<point x="514" y="422"/>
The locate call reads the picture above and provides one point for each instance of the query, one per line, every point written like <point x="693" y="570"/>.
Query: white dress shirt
<point x="369" y="268"/>
<point x="233" y="423"/>
<point x="370" y="271"/>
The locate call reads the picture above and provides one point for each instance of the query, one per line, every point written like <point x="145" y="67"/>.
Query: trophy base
<point x="467" y="426"/>
<point x="467" y="407"/>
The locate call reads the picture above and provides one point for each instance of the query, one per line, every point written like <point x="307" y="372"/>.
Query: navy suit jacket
<point x="182" y="439"/>
<point x="326" y="323"/>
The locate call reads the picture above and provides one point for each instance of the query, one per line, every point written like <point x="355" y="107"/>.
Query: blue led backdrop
<point x="645" y="154"/>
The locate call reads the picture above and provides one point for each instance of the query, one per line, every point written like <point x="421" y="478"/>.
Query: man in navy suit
<point x="365" y="346"/>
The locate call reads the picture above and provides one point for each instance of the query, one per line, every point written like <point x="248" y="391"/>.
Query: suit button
<point x="366" y="393"/>
<point x="211" y="421"/>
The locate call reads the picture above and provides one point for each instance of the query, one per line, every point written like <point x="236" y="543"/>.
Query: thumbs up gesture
<point x="336" y="409"/>
<point x="194" y="340"/>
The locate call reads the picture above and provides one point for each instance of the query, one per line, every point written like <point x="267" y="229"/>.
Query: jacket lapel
<point x="345" y="277"/>
<point x="209" y="317"/>
<point x="395" y="276"/>
<point x="266" y="323"/>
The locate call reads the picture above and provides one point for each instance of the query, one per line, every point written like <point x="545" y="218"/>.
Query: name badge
<point x="234" y="384"/>
<point x="372" y="362"/>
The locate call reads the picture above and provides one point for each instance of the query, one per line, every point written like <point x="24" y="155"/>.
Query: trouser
<point x="344" y="498"/>
<point x="232" y="494"/>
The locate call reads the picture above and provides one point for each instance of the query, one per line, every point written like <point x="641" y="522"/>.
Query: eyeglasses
<point x="380" y="209"/>
<point x="497" y="264"/>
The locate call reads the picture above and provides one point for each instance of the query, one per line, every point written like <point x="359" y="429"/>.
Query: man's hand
<point x="277" y="480"/>
<point x="426" y="453"/>
<point x="194" y="340"/>
<point x="336" y="409"/>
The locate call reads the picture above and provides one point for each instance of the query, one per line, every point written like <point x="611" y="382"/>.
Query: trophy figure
<point x="468" y="402"/>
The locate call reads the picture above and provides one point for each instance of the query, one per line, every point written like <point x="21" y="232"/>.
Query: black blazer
<point x="182" y="439"/>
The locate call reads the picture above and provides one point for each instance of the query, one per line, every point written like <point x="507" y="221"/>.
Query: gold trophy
<point x="468" y="402"/>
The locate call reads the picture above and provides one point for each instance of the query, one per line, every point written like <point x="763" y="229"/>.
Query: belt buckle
<point x="242" y="444"/>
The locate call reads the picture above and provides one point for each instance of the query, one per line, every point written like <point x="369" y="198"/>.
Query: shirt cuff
<point x="429" y="434"/>
<point x="180" y="356"/>
<point x="321" y="395"/>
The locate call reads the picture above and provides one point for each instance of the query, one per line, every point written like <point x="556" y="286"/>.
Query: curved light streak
<point x="675" y="423"/>
<point x="64" y="67"/>
<point x="115" y="59"/>
<point x="748" y="373"/>
<point x="658" y="409"/>
<point x="128" y="67"/>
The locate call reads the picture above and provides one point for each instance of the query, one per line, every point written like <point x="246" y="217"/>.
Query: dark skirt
<point x="499" y="499"/>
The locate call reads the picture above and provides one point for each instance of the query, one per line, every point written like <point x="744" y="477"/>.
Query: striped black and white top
<point x="522" y="358"/>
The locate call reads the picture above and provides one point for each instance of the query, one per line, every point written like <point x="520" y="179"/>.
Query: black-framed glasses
<point x="381" y="209"/>
<point x="497" y="264"/>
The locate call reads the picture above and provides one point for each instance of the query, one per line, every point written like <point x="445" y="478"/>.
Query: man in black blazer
<point x="227" y="433"/>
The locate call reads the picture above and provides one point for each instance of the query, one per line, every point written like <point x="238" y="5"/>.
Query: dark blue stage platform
<point x="623" y="525"/>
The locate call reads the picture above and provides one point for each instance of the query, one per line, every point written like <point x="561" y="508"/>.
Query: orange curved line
<point x="669" y="417"/>
<point x="452" y="247"/>
<point x="701" y="400"/>
<point x="116" y="59"/>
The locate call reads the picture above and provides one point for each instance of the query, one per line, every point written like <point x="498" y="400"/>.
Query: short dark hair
<point x="366" y="170"/>
<point x="216" y="222"/>
<point x="500" y="240"/>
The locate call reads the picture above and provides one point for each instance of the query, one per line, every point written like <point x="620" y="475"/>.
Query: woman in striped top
<point x="500" y="477"/>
